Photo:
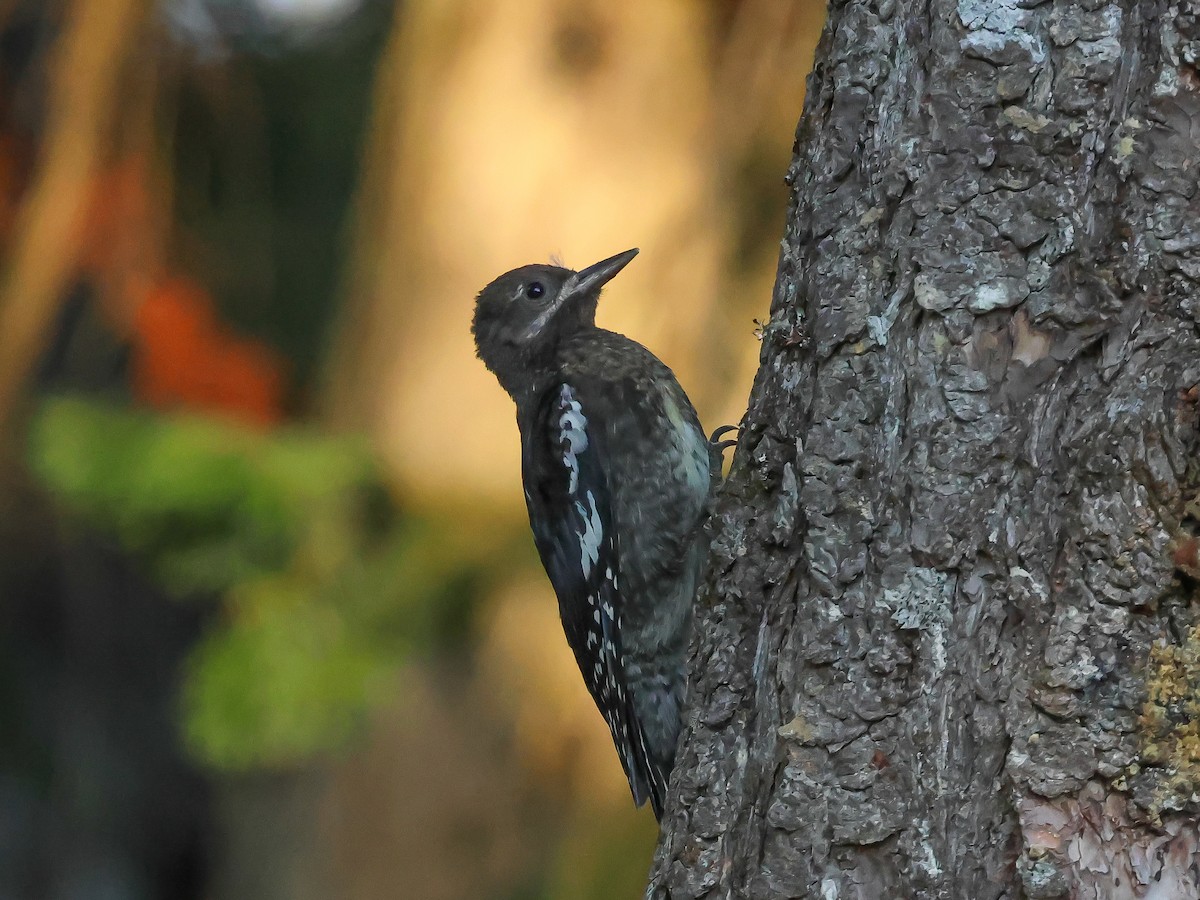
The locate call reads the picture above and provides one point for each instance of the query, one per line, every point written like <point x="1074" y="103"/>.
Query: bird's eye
<point x="534" y="290"/>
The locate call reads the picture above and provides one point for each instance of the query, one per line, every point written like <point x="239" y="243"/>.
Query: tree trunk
<point x="949" y="646"/>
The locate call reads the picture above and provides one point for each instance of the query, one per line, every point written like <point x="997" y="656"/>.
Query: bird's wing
<point x="570" y="512"/>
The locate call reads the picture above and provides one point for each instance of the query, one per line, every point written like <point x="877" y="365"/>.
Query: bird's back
<point x="659" y="473"/>
<point x="659" y="477"/>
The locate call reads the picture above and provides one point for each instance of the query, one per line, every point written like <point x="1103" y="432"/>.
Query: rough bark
<point x="949" y="647"/>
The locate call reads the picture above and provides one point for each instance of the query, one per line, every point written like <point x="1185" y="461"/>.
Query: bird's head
<point x="523" y="316"/>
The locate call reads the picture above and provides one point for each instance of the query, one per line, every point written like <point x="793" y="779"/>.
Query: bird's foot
<point x="717" y="445"/>
<point x="716" y="451"/>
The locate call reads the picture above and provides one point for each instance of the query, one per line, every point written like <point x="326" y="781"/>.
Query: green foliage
<point x="322" y="597"/>
<point x="207" y="503"/>
<point x="287" y="678"/>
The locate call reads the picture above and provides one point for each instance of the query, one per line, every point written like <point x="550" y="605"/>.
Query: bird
<point x="617" y="475"/>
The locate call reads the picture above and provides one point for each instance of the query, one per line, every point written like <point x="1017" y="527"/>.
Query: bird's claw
<point x="716" y="450"/>
<point x="714" y="441"/>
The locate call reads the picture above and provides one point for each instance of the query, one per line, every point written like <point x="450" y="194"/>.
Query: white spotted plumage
<point x="591" y="533"/>
<point x="573" y="440"/>
<point x="572" y="434"/>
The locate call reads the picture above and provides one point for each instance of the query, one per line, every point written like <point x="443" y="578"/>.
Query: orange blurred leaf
<point x="184" y="356"/>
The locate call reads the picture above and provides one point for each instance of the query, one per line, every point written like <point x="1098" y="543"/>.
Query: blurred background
<point x="271" y="622"/>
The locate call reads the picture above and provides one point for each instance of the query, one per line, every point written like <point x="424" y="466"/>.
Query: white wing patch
<point x="591" y="534"/>
<point x="572" y="434"/>
<point x="572" y="437"/>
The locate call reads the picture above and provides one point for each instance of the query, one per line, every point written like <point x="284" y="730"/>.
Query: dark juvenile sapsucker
<point x="616" y="474"/>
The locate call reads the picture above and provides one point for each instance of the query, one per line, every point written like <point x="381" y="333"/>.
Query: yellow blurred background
<point x="271" y="624"/>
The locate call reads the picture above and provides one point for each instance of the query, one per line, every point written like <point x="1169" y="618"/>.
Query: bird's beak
<point x="581" y="284"/>
<point x="596" y="276"/>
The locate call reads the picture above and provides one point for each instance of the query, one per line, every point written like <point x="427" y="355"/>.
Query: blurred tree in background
<point x="271" y="624"/>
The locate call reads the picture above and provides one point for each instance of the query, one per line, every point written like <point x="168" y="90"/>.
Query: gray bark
<point x="948" y="646"/>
